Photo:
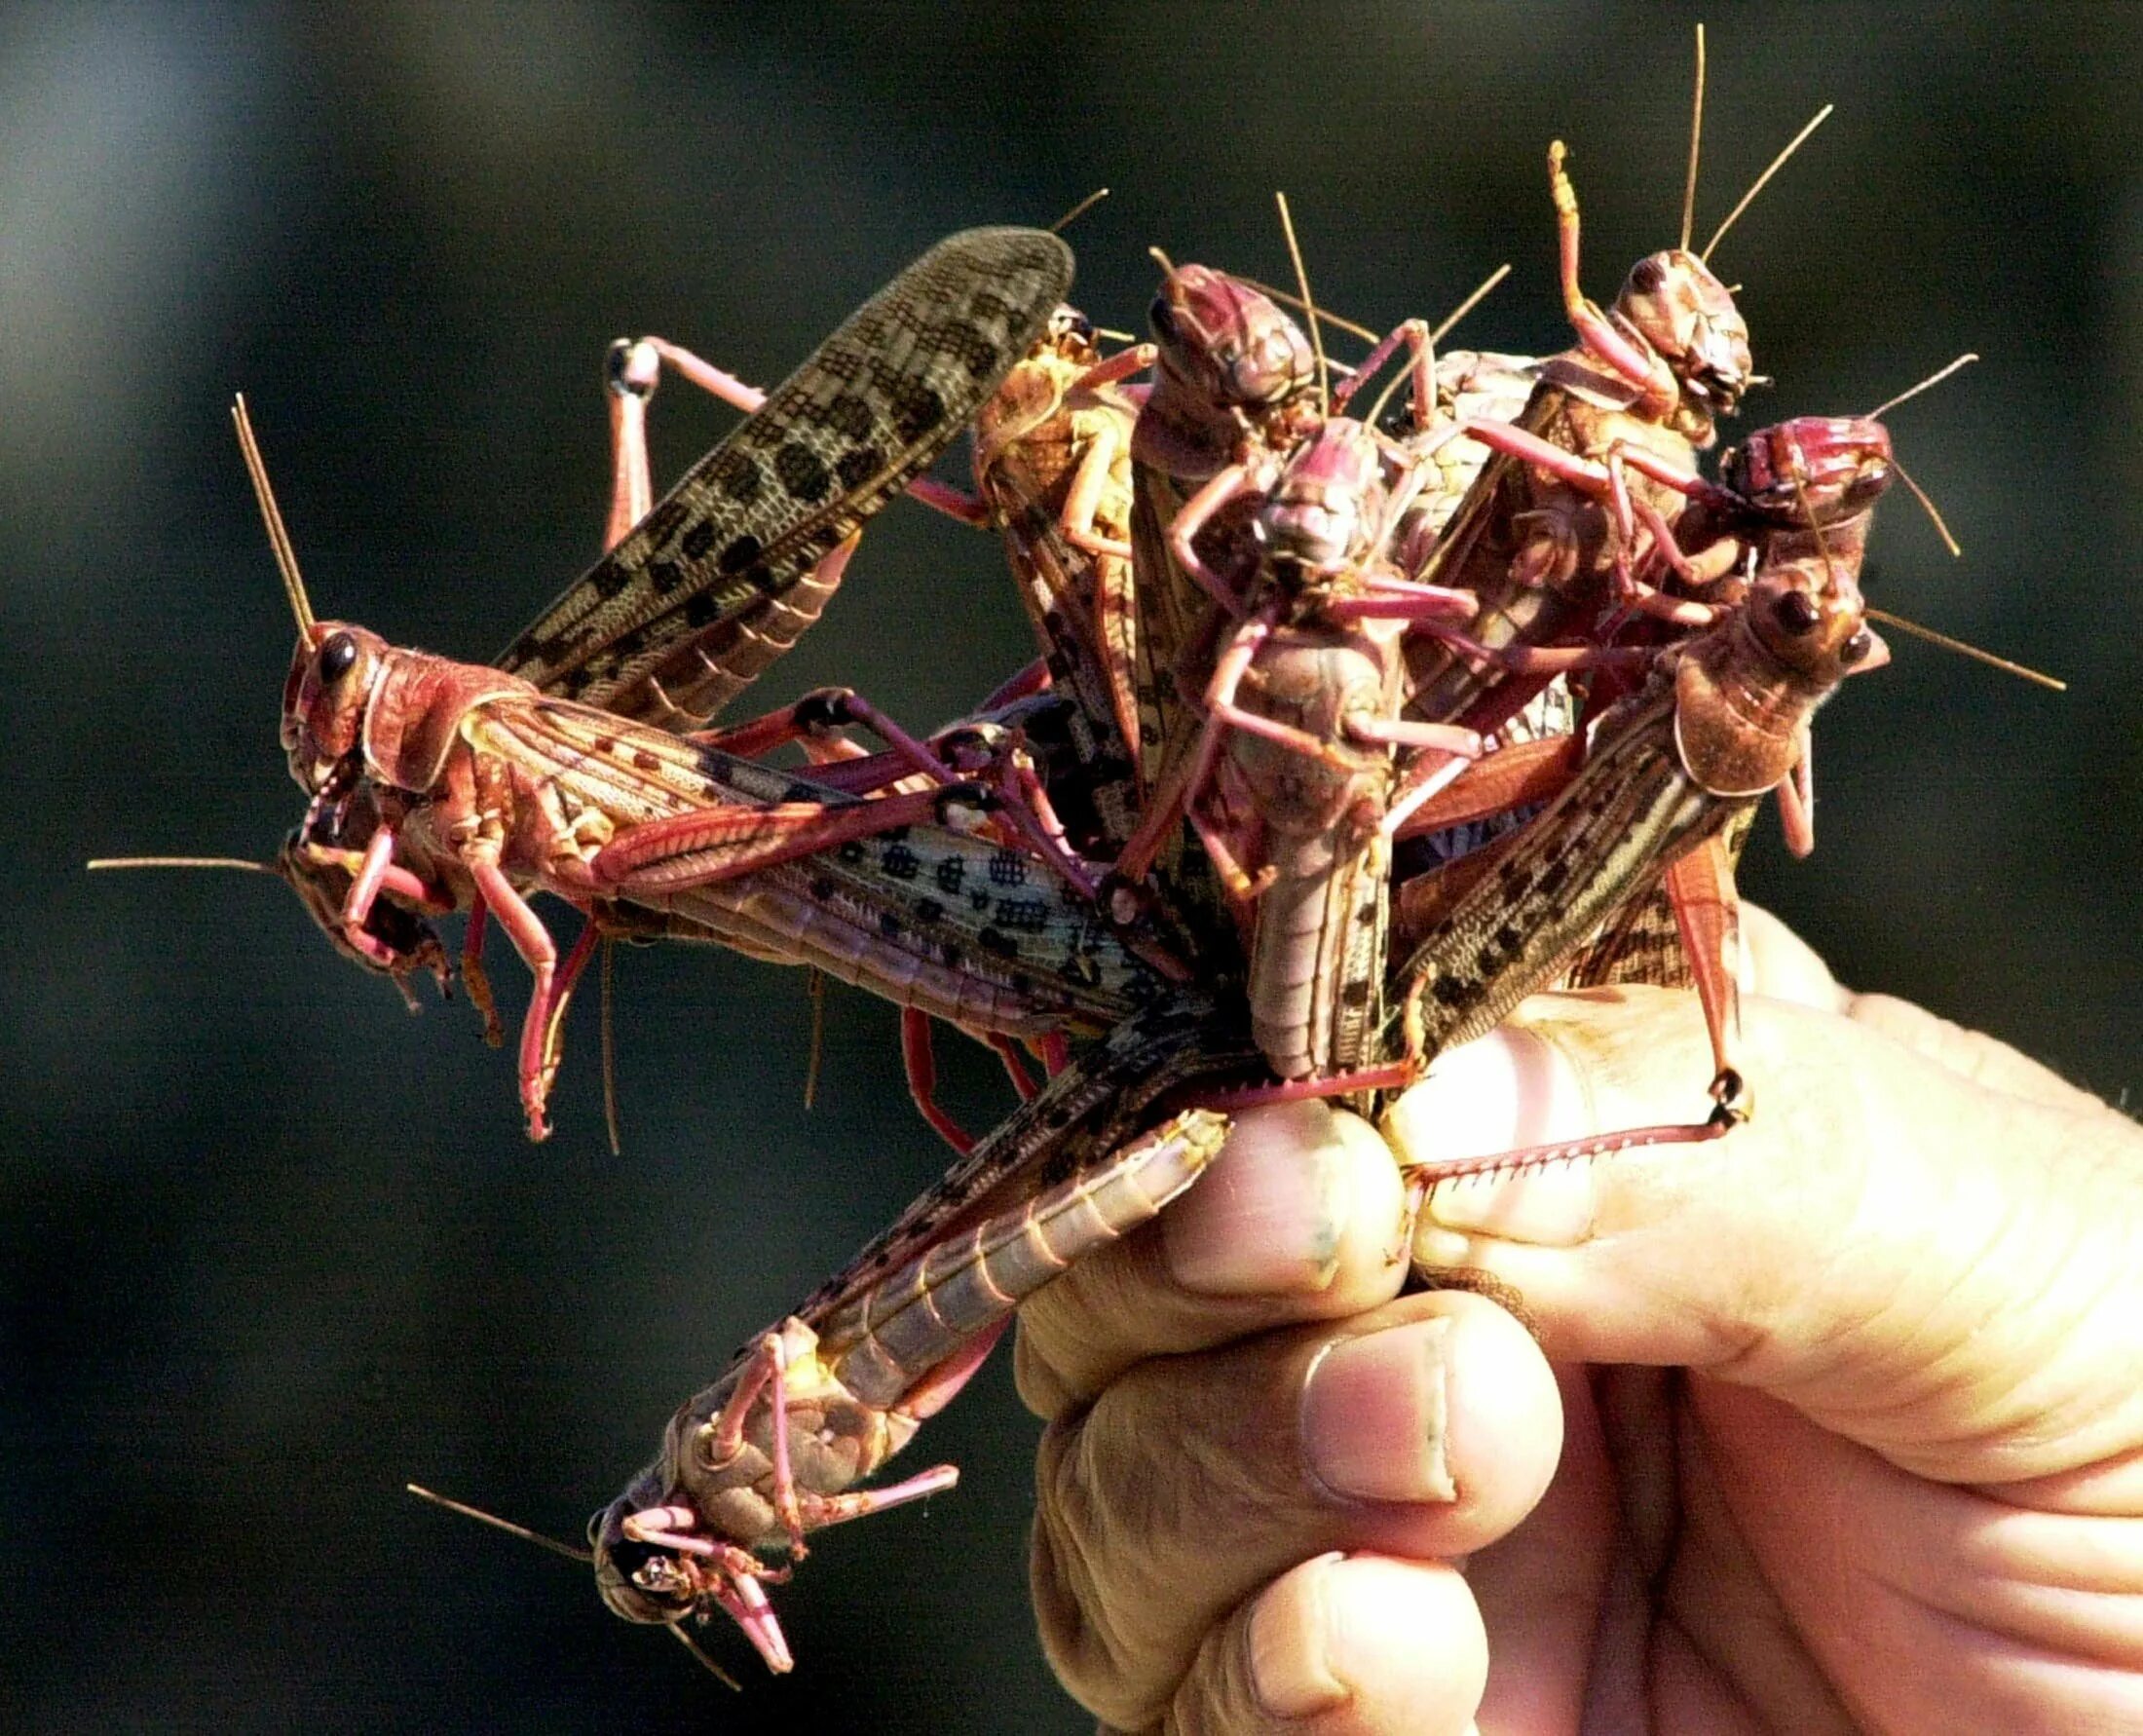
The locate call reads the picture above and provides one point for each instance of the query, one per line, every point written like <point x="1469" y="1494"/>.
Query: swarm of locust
<point x="1346" y="732"/>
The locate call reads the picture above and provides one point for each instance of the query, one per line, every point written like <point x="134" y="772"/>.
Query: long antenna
<point x="1935" y="379"/>
<point x="1696" y="137"/>
<point x="279" y="538"/>
<point x="1309" y="303"/>
<point x="1964" y="650"/>
<point x="1078" y="211"/>
<point x="815" y="987"/>
<point x="1926" y="505"/>
<point x="1286" y="298"/>
<point x="251" y="867"/>
<point x="715" y="1670"/>
<point x="1777" y="163"/>
<point x="572" y="1554"/>
<point x="611" y="1121"/>
<point x="1471" y="302"/>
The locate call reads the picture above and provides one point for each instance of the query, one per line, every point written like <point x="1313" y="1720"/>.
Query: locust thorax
<point x="324" y="700"/>
<point x="1226" y="347"/>
<point x="1828" y="468"/>
<point x="1671" y="303"/>
<point x="1326" y="512"/>
<point x="1744" y="691"/>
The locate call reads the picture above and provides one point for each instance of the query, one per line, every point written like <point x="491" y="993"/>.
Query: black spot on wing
<point x="876" y="401"/>
<point x="852" y="418"/>
<point x="739" y="555"/>
<point x="802" y="472"/>
<point x="735" y="475"/>
<point x="856" y="466"/>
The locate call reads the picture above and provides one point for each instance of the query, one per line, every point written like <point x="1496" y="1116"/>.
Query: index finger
<point x="1302" y="1217"/>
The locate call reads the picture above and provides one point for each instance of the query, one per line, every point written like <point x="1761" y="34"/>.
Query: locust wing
<point x="719" y="579"/>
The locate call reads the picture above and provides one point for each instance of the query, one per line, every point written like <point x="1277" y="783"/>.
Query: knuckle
<point x="1123" y="1581"/>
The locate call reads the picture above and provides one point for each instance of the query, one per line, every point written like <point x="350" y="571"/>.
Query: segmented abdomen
<point x="883" y="1341"/>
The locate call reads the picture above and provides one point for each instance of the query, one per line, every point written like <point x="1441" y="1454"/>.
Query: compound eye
<point x="337" y="654"/>
<point x="1856" y="649"/>
<point x="1647" y="274"/>
<point x="1796" y="611"/>
<point x="1162" y="317"/>
<point x="1078" y="326"/>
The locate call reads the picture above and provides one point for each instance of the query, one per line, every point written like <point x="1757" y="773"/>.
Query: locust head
<point x="1327" y="511"/>
<point x="1070" y="335"/>
<point x="1825" y="468"/>
<point x="1229" y="344"/>
<point x="353" y="707"/>
<point x="1810" y="618"/>
<point x="1671" y="302"/>
<point x="326" y="700"/>
<point x="1034" y="388"/>
<point x="637" y="1580"/>
<point x="667" y="1578"/>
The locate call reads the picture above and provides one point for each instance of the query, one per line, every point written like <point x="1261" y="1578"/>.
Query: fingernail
<point x="1373" y="1415"/>
<point x="1269" y="1219"/>
<point x="1289" y="1668"/>
<point x="1507" y="1090"/>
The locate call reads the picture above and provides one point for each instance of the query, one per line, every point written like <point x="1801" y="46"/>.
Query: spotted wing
<point x="718" y="579"/>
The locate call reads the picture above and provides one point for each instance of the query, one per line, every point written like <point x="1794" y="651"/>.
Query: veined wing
<point x="714" y="584"/>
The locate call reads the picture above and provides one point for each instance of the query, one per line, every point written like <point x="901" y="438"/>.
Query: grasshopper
<point x="774" y="1449"/>
<point x="1297" y="758"/>
<point x="740" y="553"/>
<point x="488" y="785"/>
<point x="1720" y="722"/>
<point x="1585" y="486"/>
<point x="771" y="1450"/>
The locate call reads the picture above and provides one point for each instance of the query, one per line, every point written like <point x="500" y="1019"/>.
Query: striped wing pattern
<point x="713" y="585"/>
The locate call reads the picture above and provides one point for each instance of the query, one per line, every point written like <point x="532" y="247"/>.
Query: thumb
<point x="1915" y="1256"/>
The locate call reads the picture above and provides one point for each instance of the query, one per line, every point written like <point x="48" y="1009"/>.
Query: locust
<point x="810" y="1406"/>
<point x="1720" y="721"/>
<point x="489" y="787"/>
<point x="1053" y="474"/>
<point x="1290" y="789"/>
<point x="1234" y="386"/>
<point x="1581" y="497"/>
<point x="774" y="1450"/>
<point x="1292" y="786"/>
<point x="467" y="775"/>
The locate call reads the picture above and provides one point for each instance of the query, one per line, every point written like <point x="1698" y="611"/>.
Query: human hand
<point x="1846" y="1404"/>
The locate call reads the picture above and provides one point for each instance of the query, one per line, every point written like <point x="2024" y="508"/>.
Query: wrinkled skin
<point x="1828" y="1426"/>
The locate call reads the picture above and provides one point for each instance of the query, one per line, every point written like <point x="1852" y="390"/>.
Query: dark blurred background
<point x="270" y="1248"/>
